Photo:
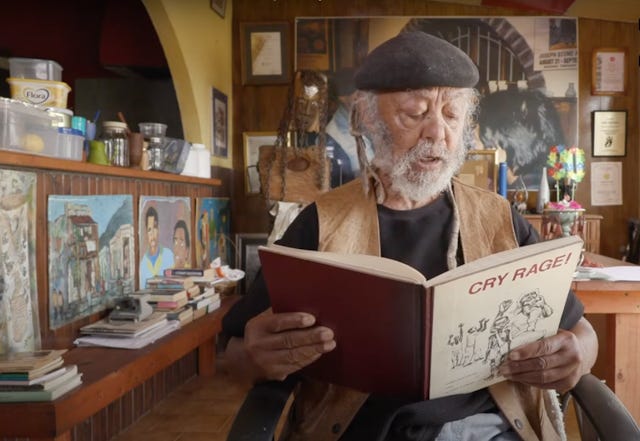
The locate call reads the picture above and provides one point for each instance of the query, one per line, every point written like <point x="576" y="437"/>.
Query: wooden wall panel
<point x="259" y="108"/>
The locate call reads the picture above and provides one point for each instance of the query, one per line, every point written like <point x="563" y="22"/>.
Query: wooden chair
<point x="601" y="415"/>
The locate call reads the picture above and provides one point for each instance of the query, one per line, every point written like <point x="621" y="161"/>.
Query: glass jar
<point x="116" y="143"/>
<point x="155" y="151"/>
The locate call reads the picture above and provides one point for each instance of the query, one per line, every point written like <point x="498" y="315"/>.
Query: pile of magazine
<point x="36" y="376"/>
<point x="126" y="334"/>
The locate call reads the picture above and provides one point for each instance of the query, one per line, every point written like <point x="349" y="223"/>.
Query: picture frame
<point x="265" y="54"/>
<point x="219" y="116"/>
<point x="313" y="44"/>
<point x="247" y="258"/>
<point x="251" y="142"/>
<point x="609" y="133"/>
<point x="609" y="71"/>
<point x="481" y="169"/>
<point x="220" y="6"/>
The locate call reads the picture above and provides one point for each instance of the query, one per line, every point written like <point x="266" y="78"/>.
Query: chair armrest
<point x="604" y="410"/>
<point x="260" y="412"/>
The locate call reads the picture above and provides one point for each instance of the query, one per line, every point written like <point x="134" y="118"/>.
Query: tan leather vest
<point x="348" y="223"/>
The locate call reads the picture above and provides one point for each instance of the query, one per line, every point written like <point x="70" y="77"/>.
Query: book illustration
<point x="499" y="334"/>
<point x="430" y="338"/>
<point x="91" y="249"/>
<point x="212" y="226"/>
<point x="19" y="329"/>
<point x="164" y="235"/>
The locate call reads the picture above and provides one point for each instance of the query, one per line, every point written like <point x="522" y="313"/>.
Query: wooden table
<point x="614" y="310"/>
<point x="109" y="374"/>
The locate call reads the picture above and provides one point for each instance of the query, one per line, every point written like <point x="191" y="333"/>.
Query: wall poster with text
<point x="528" y="84"/>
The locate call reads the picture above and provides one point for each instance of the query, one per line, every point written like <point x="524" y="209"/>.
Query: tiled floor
<point x="203" y="409"/>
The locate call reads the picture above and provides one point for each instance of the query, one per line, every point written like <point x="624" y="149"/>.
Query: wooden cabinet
<point x="591" y="234"/>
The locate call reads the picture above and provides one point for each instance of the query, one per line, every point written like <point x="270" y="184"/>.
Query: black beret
<point x="415" y="60"/>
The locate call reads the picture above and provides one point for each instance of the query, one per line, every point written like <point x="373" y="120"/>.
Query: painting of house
<point x="91" y="244"/>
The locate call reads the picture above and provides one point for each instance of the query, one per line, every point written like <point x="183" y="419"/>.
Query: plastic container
<point x="40" y="92"/>
<point x="69" y="144"/>
<point x="35" y="69"/>
<point x="25" y="128"/>
<point x="62" y="117"/>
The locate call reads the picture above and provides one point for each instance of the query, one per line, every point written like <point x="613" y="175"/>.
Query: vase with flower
<point x="564" y="216"/>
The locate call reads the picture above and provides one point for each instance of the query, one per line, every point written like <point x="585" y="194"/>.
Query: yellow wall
<point x="197" y="44"/>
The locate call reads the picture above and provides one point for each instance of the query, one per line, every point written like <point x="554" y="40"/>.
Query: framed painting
<point x="481" y="169"/>
<point x="247" y="258"/>
<point x="219" y="127"/>
<point x="313" y="41"/>
<point x="251" y="142"/>
<point x="212" y="229"/>
<point x="264" y="49"/>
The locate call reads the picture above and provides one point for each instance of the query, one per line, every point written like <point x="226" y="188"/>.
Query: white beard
<point x="418" y="185"/>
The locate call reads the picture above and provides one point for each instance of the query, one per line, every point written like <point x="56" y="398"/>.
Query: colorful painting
<point x="213" y="220"/>
<point x="164" y="225"/>
<point x="19" y="329"/>
<point x="91" y="249"/>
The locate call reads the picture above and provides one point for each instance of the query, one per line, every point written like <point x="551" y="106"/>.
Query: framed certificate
<point x="608" y="71"/>
<point x="609" y="132"/>
<point x="264" y="53"/>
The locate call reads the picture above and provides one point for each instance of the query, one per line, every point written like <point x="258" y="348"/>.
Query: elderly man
<point x="415" y="103"/>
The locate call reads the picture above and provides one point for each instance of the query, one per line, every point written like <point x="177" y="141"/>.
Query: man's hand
<point x="555" y="362"/>
<point x="276" y="345"/>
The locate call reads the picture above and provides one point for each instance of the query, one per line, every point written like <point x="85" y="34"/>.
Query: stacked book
<point x="36" y="376"/>
<point x="126" y="334"/>
<point x="202" y="296"/>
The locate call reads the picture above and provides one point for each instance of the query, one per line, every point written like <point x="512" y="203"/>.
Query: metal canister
<point x="114" y="136"/>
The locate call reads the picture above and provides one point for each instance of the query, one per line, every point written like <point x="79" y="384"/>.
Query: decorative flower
<point x="573" y="160"/>
<point x="556" y="169"/>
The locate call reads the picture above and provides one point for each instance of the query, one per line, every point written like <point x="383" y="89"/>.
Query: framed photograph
<point x="247" y="256"/>
<point x="481" y="169"/>
<point x="264" y="49"/>
<point x="219" y="126"/>
<point x="252" y="142"/>
<point x="608" y="71"/>
<point x="219" y="6"/>
<point x="609" y="132"/>
<point x="313" y="44"/>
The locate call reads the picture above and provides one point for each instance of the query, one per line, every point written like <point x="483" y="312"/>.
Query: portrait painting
<point x="91" y="254"/>
<point x="528" y="86"/>
<point x="164" y="235"/>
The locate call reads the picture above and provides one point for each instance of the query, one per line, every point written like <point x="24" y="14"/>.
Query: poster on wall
<point x="91" y="254"/>
<point x="19" y="329"/>
<point x="528" y="84"/>
<point x="164" y="235"/>
<point x="212" y="226"/>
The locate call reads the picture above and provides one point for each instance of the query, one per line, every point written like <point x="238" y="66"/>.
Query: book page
<point x="481" y="316"/>
<point x="380" y="266"/>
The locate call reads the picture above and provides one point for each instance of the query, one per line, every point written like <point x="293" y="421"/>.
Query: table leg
<point x="207" y="358"/>
<point x="623" y="349"/>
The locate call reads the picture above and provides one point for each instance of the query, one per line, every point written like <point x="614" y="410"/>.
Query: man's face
<point x="180" y="248"/>
<point x="152" y="234"/>
<point x="421" y="147"/>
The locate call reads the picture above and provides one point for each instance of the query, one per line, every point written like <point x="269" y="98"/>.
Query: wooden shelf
<point x="48" y="163"/>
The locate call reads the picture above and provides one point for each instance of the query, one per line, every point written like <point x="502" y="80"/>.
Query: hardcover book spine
<point x="184" y="272"/>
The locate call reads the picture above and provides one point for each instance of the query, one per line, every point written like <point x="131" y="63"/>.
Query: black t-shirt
<point x="419" y="238"/>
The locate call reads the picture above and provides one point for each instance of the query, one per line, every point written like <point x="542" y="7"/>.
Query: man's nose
<point x="433" y="127"/>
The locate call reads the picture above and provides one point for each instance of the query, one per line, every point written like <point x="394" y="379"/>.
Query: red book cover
<point x="398" y="334"/>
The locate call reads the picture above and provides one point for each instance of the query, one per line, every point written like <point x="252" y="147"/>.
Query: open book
<point x="400" y="335"/>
